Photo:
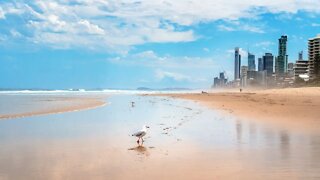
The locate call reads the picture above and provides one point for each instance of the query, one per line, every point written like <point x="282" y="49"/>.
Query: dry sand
<point x="292" y="108"/>
<point x="55" y="105"/>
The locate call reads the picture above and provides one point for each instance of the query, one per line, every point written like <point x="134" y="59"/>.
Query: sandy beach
<point x="42" y="105"/>
<point x="292" y="108"/>
<point x="186" y="140"/>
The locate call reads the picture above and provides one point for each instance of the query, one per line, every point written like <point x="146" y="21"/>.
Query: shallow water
<point x="186" y="141"/>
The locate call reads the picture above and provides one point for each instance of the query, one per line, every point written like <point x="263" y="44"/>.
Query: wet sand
<point x="185" y="141"/>
<point x="41" y="105"/>
<point x="295" y="108"/>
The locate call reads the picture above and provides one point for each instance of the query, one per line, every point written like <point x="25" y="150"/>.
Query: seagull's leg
<point x="138" y="140"/>
<point x="142" y="141"/>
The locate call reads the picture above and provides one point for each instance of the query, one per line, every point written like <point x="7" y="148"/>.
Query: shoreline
<point x="78" y="104"/>
<point x="292" y="108"/>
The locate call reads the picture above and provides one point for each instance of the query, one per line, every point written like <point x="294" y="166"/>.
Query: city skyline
<point x="103" y="44"/>
<point x="274" y="71"/>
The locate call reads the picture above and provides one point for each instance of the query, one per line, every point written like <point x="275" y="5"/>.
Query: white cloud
<point x="161" y="75"/>
<point x="176" y="76"/>
<point x="124" y="23"/>
<point x="91" y="28"/>
<point x="222" y="27"/>
<point x="264" y="44"/>
<point x="150" y="59"/>
<point x="237" y="26"/>
<point x="147" y="54"/>
<point x="243" y="53"/>
<point x="315" y="25"/>
<point x="15" y="33"/>
<point x="251" y="28"/>
<point x="2" y="15"/>
<point x="187" y="69"/>
<point x="2" y="38"/>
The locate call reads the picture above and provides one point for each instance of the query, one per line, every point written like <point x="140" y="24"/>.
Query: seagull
<point x="141" y="133"/>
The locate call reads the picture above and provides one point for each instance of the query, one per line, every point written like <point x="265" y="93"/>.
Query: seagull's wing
<point x="139" y="133"/>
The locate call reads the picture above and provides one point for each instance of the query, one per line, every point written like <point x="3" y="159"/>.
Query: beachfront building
<point x="281" y="62"/>
<point x="314" y="50"/>
<point x="252" y="75"/>
<point x="260" y="64"/>
<point x="237" y="64"/>
<point x="220" y="81"/>
<point x="244" y="70"/>
<point x="251" y="62"/>
<point x="268" y="63"/>
<point x="290" y="70"/>
<point x="262" y="77"/>
<point x="301" y="68"/>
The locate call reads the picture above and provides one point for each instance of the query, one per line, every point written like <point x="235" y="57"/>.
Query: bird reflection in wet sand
<point x="141" y="150"/>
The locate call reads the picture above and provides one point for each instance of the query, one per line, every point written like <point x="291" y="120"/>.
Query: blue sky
<point x="60" y="44"/>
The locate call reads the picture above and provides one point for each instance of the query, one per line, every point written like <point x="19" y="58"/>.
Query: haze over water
<point x="186" y="141"/>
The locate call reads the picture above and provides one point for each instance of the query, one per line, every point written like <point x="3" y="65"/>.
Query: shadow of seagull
<point x="141" y="150"/>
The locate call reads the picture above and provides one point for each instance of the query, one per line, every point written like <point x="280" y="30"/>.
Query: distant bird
<point x="132" y="104"/>
<point x="141" y="133"/>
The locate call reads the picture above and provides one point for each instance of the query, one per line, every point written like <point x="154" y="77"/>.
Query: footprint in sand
<point x="167" y="128"/>
<point x="188" y="108"/>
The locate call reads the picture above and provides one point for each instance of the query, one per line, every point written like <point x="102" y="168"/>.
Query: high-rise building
<point x="300" y="55"/>
<point x="237" y="64"/>
<point x="222" y="76"/>
<point x="281" y="63"/>
<point x="300" y="68"/>
<point x="290" y="70"/>
<point x="268" y="63"/>
<point x="251" y="62"/>
<point x="260" y="64"/>
<point x="314" y="49"/>
<point x="262" y="77"/>
<point x="220" y="81"/>
<point x="244" y="71"/>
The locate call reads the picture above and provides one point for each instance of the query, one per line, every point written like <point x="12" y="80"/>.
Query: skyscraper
<point x="237" y="63"/>
<point x="268" y="63"/>
<point x="244" y="75"/>
<point x="300" y="55"/>
<point x="281" y="63"/>
<point x="314" y="49"/>
<point x="251" y="62"/>
<point x="260" y="64"/>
